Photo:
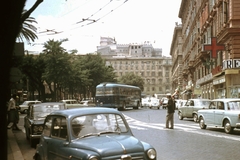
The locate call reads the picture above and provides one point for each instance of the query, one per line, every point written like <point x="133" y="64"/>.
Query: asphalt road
<point x="185" y="142"/>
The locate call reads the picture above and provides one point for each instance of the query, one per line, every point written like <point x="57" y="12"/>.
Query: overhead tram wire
<point x="52" y="32"/>
<point x="75" y="8"/>
<point x="93" y="21"/>
<point x="84" y="19"/>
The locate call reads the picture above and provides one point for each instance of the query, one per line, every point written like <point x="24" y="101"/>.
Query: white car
<point x="23" y="108"/>
<point x="71" y="103"/>
<point x="191" y="107"/>
<point x="221" y="113"/>
<point x="154" y="103"/>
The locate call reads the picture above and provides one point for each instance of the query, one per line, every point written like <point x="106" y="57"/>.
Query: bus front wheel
<point x="138" y="105"/>
<point x="123" y="106"/>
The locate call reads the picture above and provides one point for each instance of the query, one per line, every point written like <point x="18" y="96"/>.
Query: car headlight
<point x="93" y="158"/>
<point x="40" y="128"/>
<point x="151" y="153"/>
<point x="35" y="128"/>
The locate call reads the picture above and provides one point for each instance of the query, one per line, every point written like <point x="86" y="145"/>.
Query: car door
<point x="209" y="114"/>
<point x="219" y="113"/>
<point x="59" y="138"/>
<point x="188" y="108"/>
<point x="45" y="138"/>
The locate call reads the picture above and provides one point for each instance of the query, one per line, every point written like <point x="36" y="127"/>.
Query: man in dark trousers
<point x="170" y="112"/>
<point x="13" y="115"/>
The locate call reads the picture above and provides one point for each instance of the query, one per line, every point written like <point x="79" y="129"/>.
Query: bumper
<point x="238" y="125"/>
<point x="35" y="136"/>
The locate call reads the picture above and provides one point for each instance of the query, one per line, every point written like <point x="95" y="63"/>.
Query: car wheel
<point x="195" y="118"/>
<point x="227" y="127"/>
<point x="25" y="111"/>
<point x="180" y="116"/>
<point x="201" y="123"/>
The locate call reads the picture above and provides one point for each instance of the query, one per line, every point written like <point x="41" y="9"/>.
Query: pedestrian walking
<point x="170" y="112"/>
<point x="13" y="115"/>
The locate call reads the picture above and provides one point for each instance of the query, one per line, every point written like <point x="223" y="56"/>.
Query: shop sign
<point x="219" y="81"/>
<point x="204" y="79"/>
<point x="231" y="63"/>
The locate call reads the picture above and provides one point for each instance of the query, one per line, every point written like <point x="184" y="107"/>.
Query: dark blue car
<point x="90" y="134"/>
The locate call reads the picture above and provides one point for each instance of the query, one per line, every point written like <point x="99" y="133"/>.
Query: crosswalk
<point x="193" y="128"/>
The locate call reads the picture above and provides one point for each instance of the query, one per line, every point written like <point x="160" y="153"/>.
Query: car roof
<point x="84" y="111"/>
<point x="227" y="99"/>
<point x="200" y="99"/>
<point x="48" y="103"/>
<point x="33" y="101"/>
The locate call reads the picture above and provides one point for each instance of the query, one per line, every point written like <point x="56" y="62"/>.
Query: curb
<point x="15" y="150"/>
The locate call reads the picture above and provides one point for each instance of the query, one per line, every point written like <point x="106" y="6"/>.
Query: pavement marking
<point x="193" y="128"/>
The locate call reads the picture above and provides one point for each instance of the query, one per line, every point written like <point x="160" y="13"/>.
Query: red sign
<point x="217" y="70"/>
<point x="214" y="47"/>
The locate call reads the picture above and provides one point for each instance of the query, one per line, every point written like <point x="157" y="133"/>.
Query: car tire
<point x="24" y="111"/>
<point x="227" y="127"/>
<point x="180" y="116"/>
<point x="195" y="117"/>
<point x="201" y="123"/>
<point x="137" y="107"/>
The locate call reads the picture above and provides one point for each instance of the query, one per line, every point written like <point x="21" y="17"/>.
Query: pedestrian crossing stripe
<point x="194" y="128"/>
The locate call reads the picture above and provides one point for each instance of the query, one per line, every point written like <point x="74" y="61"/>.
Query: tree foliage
<point x="132" y="79"/>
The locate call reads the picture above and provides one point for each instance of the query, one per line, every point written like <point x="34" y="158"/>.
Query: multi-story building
<point x="210" y="47"/>
<point x="140" y="59"/>
<point x="177" y="59"/>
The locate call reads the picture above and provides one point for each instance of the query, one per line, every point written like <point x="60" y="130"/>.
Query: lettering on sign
<point x="231" y="63"/>
<point x="219" y="81"/>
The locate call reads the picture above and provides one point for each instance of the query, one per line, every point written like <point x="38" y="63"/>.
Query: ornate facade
<point x="211" y="47"/>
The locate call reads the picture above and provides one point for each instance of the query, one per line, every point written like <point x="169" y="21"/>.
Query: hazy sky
<point x="129" y="21"/>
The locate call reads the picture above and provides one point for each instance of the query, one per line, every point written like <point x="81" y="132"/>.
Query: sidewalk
<point x="14" y="152"/>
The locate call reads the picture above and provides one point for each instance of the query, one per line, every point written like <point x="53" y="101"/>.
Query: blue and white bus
<point x="120" y="96"/>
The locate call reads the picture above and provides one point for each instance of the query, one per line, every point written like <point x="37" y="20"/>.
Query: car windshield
<point x="97" y="124"/>
<point x="202" y="103"/>
<point x="234" y="105"/>
<point x="40" y="112"/>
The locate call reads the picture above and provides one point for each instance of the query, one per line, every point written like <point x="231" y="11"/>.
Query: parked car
<point x="24" y="106"/>
<point x="90" y="133"/>
<point x="221" y="113"/>
<point x="72" y="103"/>
<point x="164" y="102"/>
<point x="154" y="103"/>
<point x="33" y="121"/>
<point x="191" y="107"/>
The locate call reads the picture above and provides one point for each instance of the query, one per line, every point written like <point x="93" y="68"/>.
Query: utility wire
<point x="84" y="19"/>
<point x="93" y="21"/>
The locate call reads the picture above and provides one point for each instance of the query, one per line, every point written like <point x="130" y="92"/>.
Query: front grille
<point x="124" y="157"/>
